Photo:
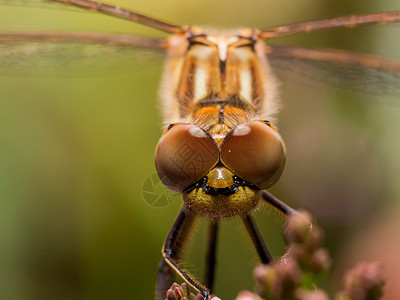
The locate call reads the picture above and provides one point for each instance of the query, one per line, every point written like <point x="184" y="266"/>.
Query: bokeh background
<point x="77" y="145"/>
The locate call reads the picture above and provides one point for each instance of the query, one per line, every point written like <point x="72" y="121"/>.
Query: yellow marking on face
<point x="220" y="178"/>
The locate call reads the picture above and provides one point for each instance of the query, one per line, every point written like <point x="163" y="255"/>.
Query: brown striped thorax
<point x="220" y="148"/>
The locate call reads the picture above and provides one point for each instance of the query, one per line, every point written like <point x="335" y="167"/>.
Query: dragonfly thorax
<point x="217" y="68"/>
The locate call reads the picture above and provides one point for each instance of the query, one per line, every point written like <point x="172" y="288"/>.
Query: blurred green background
<point x="76" y="149"/>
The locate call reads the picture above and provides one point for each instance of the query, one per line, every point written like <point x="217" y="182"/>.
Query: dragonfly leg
<point x="171" y="252"/>
<point x="281" y="207"/>
<point x="257" y="239"/>
<point x="277" y="204"/>
<point x="255" y="234"/>
<point x="165" y="278"/>
<point x="211" y="254"/>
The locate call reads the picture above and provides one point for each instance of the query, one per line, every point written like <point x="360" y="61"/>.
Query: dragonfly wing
<point x="98" y="7"/>
<point x="338" y="68"/>
<point x="26" y="54"/>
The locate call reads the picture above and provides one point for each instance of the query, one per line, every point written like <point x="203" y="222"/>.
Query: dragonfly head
<point x="220" y="179"/>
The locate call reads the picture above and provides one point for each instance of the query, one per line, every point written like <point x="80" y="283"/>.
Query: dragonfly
<point x="220" y="149"/>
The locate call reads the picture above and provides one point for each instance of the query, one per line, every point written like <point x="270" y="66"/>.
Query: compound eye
<point x="255" y="152"/>
<point x="185" y="154"/>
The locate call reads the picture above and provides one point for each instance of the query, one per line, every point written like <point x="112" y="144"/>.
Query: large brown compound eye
<point x="255" y="152"/>
<point x="185" y="154"/>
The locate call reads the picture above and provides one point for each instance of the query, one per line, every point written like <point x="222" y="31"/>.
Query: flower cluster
<point x="298" y="273"/>
<point x="301" y="269"/>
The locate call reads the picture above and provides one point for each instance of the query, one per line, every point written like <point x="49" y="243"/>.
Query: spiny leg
<point x="165" y="278"/>
<point x="281" y="207"/>
<point x="257" y="239"/>
<point x="172" y="251"/>
<point x="254" y="232"/>
<point x="277" y="204"/>
<point x="211" y="254"/>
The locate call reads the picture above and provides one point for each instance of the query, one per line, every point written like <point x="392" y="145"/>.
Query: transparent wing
<point x="103" y="8"/>
<point x="330" y="23"/>
<point x="353" y="71"/>
<point x="40" y="4"/>
<point x="45" y="54"/>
